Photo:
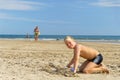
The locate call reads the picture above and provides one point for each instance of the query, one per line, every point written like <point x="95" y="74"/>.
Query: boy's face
<point x="70" y="44"/>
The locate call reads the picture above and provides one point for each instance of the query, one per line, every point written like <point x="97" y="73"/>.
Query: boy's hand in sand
<point x="68" y="66"/>
<point x="73" y="70"/>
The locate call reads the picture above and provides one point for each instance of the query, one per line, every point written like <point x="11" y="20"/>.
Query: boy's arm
<point x="76" y="57"/>
<point x="70" y="63"/>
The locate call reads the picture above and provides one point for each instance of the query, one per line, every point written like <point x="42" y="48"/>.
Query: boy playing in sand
<point x="94" y="58"/>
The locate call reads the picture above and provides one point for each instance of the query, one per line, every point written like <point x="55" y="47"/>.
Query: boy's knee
<point x="87" y="71"/>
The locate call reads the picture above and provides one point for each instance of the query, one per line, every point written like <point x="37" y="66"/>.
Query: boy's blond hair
<point x="68" y="38"/>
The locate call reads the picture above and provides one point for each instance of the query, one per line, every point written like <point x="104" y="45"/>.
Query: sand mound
<point x="53" y="69"/>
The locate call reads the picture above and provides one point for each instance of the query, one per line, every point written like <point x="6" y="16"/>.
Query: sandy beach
<point x="45" y="60"/>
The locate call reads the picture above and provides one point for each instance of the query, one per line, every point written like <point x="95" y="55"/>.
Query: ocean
<point x="61" y="37"/>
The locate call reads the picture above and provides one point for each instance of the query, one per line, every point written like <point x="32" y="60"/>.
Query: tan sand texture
<point x="46" y="60"/>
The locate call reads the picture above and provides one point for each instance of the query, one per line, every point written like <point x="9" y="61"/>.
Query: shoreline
<point x="32" y="39"/>
<point x="90" y="38"/>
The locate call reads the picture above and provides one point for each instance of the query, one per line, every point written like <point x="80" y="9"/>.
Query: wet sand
<point x="45" y="60"/>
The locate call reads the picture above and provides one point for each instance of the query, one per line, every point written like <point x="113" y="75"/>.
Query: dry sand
<point x="45" y="60"/>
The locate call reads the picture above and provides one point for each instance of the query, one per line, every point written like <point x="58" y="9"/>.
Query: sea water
<point x="99" y="38"/>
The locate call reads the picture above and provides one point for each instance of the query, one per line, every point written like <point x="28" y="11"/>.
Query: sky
<point x="60" y="17"/>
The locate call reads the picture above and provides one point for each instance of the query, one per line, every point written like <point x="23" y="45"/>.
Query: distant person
<point x="93" y="58"/>
<point x="27" y="35"/>
<point x="36" y="33"/>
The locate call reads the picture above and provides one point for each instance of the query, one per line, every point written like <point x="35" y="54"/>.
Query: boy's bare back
<point x="87" y="52"/>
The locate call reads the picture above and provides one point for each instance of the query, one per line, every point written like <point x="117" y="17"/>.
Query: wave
<point x="61" y="37"/>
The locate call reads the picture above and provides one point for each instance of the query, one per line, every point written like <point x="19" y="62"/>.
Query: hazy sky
<point x="77" y="17"/>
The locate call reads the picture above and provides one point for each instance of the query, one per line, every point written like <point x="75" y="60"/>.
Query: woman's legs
<point x="36" y="38"/>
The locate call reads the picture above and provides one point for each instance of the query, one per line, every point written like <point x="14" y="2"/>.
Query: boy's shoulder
<point x="78" y="46"/>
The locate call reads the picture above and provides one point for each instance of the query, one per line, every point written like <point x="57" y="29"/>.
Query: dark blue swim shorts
<point x="98" y="59"/>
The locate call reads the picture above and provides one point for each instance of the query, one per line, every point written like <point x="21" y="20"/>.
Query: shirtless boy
<point x="92" y="56"/>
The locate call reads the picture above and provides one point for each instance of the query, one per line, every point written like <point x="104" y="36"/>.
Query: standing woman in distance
<point x="36" y="33"/>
